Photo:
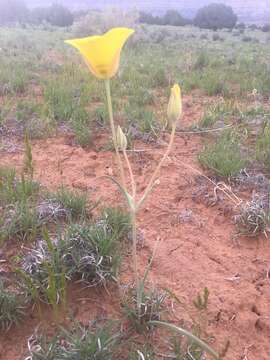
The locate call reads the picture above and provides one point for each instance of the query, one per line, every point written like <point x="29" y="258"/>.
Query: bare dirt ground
<point x="197" y="246"/>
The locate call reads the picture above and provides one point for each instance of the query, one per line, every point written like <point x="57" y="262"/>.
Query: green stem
<point x="133" y="183"/>
<point x="110" y="109"/>
<point x="153" y="178"/>
<point x="134" y="256"/>
<point x="122" y="174"/>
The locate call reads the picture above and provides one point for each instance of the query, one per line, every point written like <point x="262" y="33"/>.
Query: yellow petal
<point x="102" y="53"/>
<point x="174" y="110"/>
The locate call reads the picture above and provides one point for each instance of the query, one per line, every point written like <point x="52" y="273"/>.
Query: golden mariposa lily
<point x="102" y="53"/>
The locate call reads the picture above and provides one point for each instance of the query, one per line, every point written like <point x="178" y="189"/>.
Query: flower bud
<point x="174" y="110"/>
<point x="121" y="139"/>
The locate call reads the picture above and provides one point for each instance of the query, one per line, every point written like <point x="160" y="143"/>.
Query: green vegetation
<point x="74" y="203"/>
<point x="263" y="147"/>
<point x="80" y="343"/>
<point x="85" y="252"/>
<point x="224" y="157"/>
<point x="63" y="93"/>
<point x="45" y="88"/>
<point x="11" y="308"/>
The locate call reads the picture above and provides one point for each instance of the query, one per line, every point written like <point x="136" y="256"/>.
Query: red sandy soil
<point x="197" y="248"/>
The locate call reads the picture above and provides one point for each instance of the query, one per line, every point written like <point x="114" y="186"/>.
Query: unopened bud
<point x="121" y="139"/>
<point x="174" y="110"/>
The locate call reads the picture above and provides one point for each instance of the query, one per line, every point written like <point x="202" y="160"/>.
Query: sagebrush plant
<point x="11" y="308"/>
<point x="102" y="56"/>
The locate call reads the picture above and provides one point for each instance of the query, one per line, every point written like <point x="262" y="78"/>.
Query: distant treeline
<point x="213" y="16"/>
<point x="171" y="17"/>
<point x="16" y="11"/>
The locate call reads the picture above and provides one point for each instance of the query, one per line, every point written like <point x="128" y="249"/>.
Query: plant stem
<point x="151" y="182"/>
<point x="110" y="109"/>
<point x="134" y="256"/>
<point x="133" y="183"/>
<point x="122" y="174"/>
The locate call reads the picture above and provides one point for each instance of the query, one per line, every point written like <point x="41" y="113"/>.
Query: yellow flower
<point x="121" y="139"/>
<point x="174" y="110"/>
<point x="102" y="53"/>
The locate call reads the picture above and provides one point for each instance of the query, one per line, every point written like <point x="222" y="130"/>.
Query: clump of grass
<point x="142" y="121"/>
<point x="263" y="147"/>
<point x="49" y="210"/>
<point x="117" y="220"/>
<point x="26" y="109"/>
<point x="20" y="221"/>
<point x="222" y="111"/>
<point x="67" y="103"/>
<point x="43" y="273"/>
<point x="182" y="350"/>
<point x="17" y="81"/>
<point x="73" y="202"/>
<point x="91" y="252"/>
<point x="159" y="78"/>
<point x="11" y="308"/>
<point x="202" y="61"/>
<point x="101" y="115"/>
<point x="224" y="157"/>
<point x="80" y="124"/>
<point x="93" y="342"/>
<point x="253" y="218"/>
<point x="213" y="84"/>
<point x="15" y="190"/>
<point x="151" y="308"/>
<point x="142" y="97"/>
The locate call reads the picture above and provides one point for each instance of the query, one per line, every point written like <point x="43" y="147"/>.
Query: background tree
<point x="59" y="15"/>
<point x="172" y="17"/>
<point x="215" y="16"/>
